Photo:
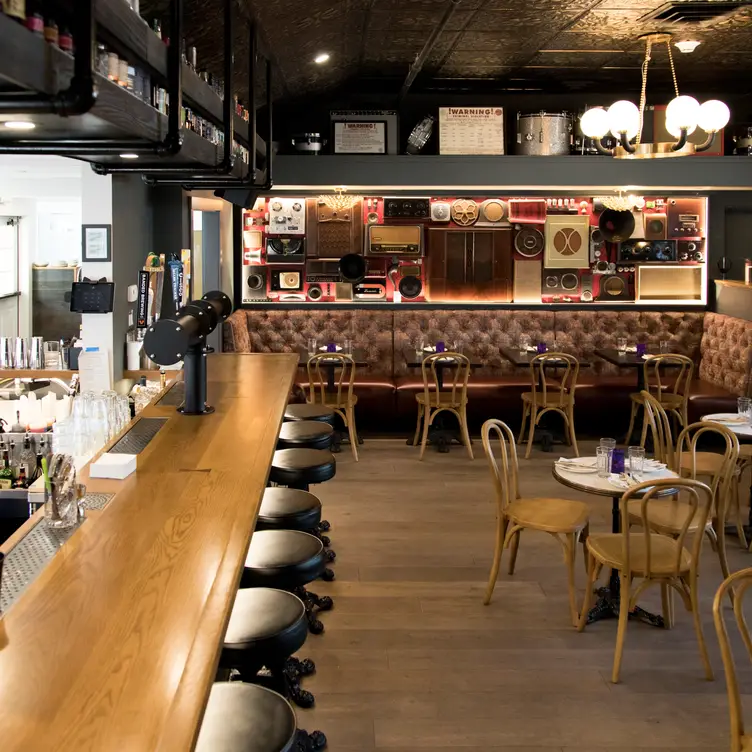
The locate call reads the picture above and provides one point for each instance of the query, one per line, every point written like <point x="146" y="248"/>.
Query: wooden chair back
<point x="455" y="373"/>
<point x="505" y="470"/>
<point x="721" y="481"/>
<point x="698" y="501"/>
<point x="319" y="367"/>
<point x="566" y="369"/>
<point x="738" y="583"/>
<point x="660" y="429"/>
<point x="675" y="381"/>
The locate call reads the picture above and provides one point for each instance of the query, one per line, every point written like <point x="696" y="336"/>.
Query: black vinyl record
<point x="616" y="226"/>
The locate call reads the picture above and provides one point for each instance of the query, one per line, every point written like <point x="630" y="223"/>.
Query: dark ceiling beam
<point x="422" y="56"/>
<point x="364" y="35"/>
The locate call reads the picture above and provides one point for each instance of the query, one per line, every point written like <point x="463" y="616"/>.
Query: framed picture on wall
<point x="95" y="243"/>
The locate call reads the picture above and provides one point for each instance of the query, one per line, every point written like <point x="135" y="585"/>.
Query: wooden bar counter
<point x="115" y="645"/>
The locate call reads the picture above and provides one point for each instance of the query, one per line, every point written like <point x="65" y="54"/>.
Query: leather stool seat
<point x="288" y="509"/>
<point x="309" y="411"/>
<point x="309" y="434"/>
<point x="247" y="717"/>
<point x="283" y="559"/>
<point x="301" y="467"/>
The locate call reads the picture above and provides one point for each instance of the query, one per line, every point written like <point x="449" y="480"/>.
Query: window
<point x="8" y="255"/>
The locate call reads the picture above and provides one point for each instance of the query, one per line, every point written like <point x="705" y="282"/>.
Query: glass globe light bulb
<point x="713" y="115"/>
<point x="683" y="112"/>
<point x="624" y="117"/>
<point x="675" y="130"/>
<point x="594" y="122"/>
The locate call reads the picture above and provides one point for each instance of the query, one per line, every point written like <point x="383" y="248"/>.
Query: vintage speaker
<point x="254" y="283"/>
<point x="527" y="281"/>
<point x="655" y="227"/>
<point x="616" y="287"/>
<point x="394" y="240"/>
<point x="285" y="250"/>
<point x="669" y="282"/>
<point x="331" y="233"/>
<point x="285" y="280"/>
<point x="560" y="282"/>
<point x="586" y="287"/>
<point x="529" y="241"/>
<point x="686" y="218"/>
<point x="567" y="242"/>
<point x="493" y="213"/>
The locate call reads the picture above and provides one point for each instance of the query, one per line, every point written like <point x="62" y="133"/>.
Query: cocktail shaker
<point x="36" y="357"/>
<point x="21" y="352"/>
<point x="7" y="359"/>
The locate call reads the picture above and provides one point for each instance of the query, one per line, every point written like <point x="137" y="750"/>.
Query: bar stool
<point x="293" y="509"/>
<point x="298" y="468"/>
<point x="305" y="434"/>
<point x="310" y="411"/>
<point x="266" y="627"/>
<point x="250" y="718"/>
<point x="289" y="560"/>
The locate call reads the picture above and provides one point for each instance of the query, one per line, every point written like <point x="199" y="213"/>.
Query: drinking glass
<point x="603" y="461"/>
<point x="621" y="345"/>
<point x="541" y="348"/>
<point x="665" y="345"/>
<point x="744" y="406"/>
<point x="347" y="347"/>
<point x="420" y="348"/>
<point x="636" y="455"/>
<point x="617" y="461"/>
<point x="312" y="345"/>
<point x="641" y="349"/>
<point x="524" y="342"/>
<point x="52" y="355"/>
<point x="608" y="443"/>
<point x="457" y="346"/>
<point x="440" y="347"/>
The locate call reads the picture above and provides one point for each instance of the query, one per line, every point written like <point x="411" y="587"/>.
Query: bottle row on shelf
<point x="22" y="462"/>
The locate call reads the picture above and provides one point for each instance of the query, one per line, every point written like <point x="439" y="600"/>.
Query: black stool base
<point x="310" y="742"/>
<point x="313" y="604"/>
<point x="283" y="679"/>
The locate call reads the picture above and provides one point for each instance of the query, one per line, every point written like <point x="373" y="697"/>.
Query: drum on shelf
<point x="544" y="133"/>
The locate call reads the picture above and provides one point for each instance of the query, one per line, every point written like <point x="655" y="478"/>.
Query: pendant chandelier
<point x="624" y="120"/>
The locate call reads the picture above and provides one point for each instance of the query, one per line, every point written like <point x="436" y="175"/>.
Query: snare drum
<point x="544" y="133"/>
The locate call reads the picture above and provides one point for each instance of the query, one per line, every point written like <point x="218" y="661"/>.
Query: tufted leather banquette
<point x="386" y="388"/>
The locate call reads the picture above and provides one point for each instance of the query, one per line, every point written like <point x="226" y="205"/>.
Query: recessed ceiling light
<point x="20" y="125"/>
<point x="128" y="155"/>
<point x="321" y="58"/>
<point x="687" y="46"/>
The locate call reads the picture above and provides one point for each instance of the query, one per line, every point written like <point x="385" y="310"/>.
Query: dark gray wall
<point x="730" y="234"/>
<point x="132" y="241"/>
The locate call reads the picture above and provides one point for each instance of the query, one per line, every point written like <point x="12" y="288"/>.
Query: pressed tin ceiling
<point x="550" y="44"/>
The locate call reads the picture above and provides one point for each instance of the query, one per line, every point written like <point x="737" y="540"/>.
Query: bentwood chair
<point x="671" y="391"/>
<point x="563" y="519"/>
<point x="653" y="558"/>
<point x="667" y="515"/>
<point x="551" y="394"/>
<point x="738" y="583"/>
<point x="445" y="377"/>
<point x="341" y="400"/>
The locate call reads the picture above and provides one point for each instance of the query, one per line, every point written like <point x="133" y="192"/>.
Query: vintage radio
<point x="655" y="226"/>
<point x="691" y="250"/>
<point x="396" y="207"/>
<point x="333" y="232"/>
<point x="527" y="281"/>
<point x="643" y="250"/>
<point x="529" y="241"/>
<point x="567" y="242"/>
<point x="616" y="287"/>
<point x="318" y="272"/>
<point x="686" y="218"/>
<point x="254" y="284"/>
<point x="371" y="288"/>
<point x="560" y="283"/>
<point x="287" y="216"/>
<point x="441" y="211"/>
<point x="285" y="250"/>
<point x="669" y="283"/>
<point x="493" y="213"/>
<point x="283" y="280"/>
<point x="394" y="240"/>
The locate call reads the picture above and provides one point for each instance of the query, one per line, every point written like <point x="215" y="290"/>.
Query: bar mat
<point x="137" y="439"/>
<point x="175" y="395"/>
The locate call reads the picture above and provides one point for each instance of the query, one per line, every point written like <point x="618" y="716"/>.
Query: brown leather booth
<point x="721" y="346"/>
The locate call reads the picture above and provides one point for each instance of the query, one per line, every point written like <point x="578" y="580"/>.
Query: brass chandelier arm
<point x="601" y="148"/>
<point x="682" y="140"/>
<point x="624" y="142"/>
<point x="707" y="143"/>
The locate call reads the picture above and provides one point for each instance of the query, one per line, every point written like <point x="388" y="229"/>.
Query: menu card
<point x="471" y="130"/>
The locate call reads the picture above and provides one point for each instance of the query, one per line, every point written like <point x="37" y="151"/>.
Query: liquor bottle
<point x="37" y="468"/>
<point x="18" y="427"/>
<point x="15" y="9"/>
<point x="6" y="474"/>
<point x="26" y="459"/>
<point x="21" y="481"/>
<point x="12" y="457"/>
<point x="51" y="33"/>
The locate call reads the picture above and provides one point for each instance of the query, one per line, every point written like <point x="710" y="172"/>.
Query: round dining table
<point x="607" y="605"/>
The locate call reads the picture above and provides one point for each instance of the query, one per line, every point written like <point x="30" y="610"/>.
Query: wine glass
<point x="724" y="266"/>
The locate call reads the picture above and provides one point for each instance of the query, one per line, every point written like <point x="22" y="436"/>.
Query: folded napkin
<point x="621" y="481"/>
<point x="653" y="465"/>
<point x="566" y="461"/>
